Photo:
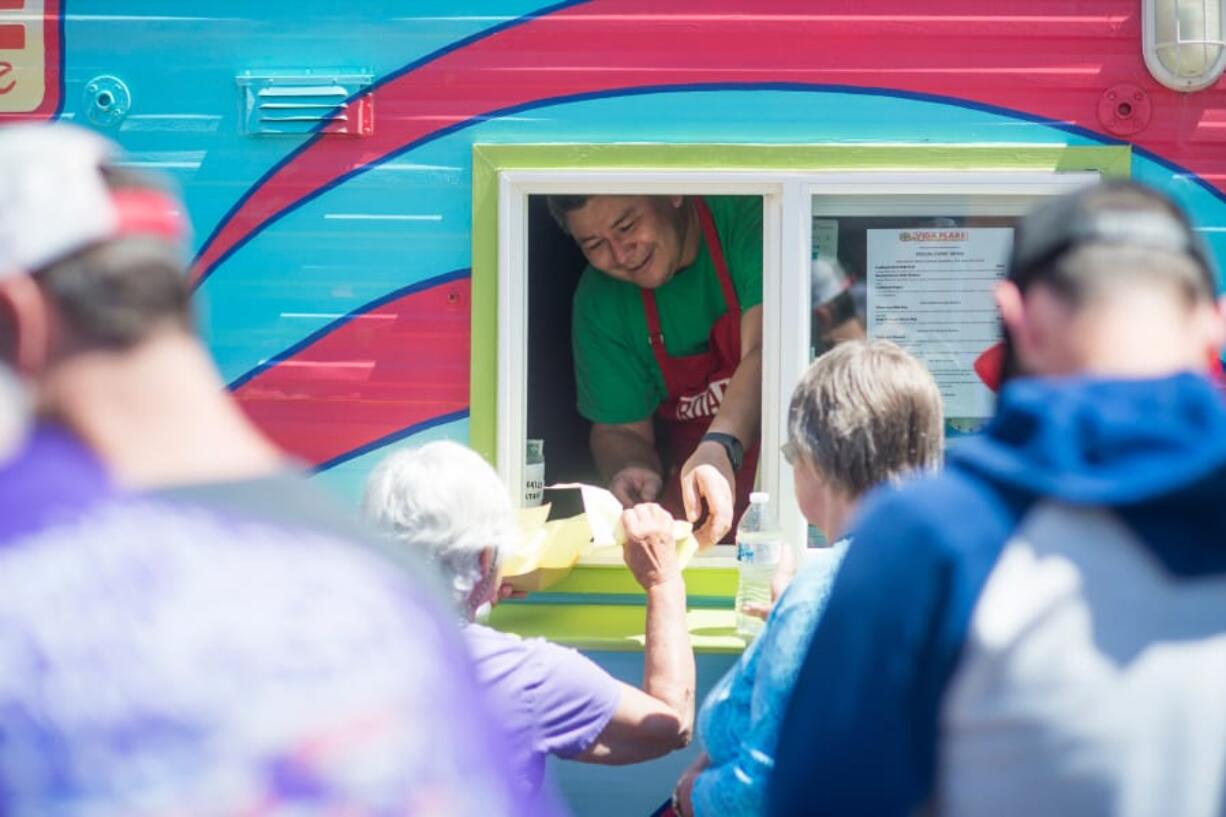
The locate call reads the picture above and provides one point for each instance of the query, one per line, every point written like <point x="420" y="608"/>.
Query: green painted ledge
<point x="600" y="607"/>
<point x="612" y="628"/>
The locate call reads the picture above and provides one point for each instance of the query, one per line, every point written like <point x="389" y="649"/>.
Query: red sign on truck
<point x="30" y="50"/>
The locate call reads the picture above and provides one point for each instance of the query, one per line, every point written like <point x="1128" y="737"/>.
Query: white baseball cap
<point x="53" y="199"/>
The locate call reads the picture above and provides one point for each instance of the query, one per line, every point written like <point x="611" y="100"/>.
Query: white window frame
<point x="786" y="246"/>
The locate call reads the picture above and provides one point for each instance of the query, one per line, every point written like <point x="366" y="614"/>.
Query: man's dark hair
<point x="560" y="205"/>
<point x="1114" y="234"/>
<point x="115" y="294"/>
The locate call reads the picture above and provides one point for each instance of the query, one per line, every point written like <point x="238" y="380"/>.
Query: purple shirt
<point x="162" y="659"/>
<point x="550" y="700"/>
<point x="51" y="478"/>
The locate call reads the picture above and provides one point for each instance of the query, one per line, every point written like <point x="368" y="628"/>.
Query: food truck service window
<point x="897" y="243"/>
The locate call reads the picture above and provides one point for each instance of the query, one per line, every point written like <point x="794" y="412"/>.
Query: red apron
<point x="696" y="383"/>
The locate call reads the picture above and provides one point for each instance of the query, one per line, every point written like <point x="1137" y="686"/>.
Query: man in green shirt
<point x="668" y="338"/>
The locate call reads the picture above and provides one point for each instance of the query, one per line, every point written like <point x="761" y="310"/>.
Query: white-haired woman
<point x="445" y="502"/>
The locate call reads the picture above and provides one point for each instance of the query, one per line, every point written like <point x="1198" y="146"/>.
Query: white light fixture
<point x="1184" y="42"/>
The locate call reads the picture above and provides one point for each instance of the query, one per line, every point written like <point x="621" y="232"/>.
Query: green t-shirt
<point x="616" y="373"/>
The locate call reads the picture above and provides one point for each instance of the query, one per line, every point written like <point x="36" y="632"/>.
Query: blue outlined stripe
<point x="379" y="83"/>
<point x="332" y="326"/>
<point x="453" y="46"/>
<point x="497" y="113"/>
<point x="388" y="439"/>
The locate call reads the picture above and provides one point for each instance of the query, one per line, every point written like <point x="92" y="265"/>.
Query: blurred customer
<point x="97" y="320"/>
<point x="169" y="657"/>
<point x="864" y="413"/>
<point x="1042" y="628"/>
<point x="444" y="501"/>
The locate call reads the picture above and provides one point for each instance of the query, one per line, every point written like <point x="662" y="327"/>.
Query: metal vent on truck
<point x="301" y="102"/>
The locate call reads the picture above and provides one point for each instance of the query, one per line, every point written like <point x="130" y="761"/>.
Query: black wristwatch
<point x="732" y="447"/>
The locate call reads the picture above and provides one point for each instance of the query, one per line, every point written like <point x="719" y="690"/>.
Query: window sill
<point x="601" y="607"/>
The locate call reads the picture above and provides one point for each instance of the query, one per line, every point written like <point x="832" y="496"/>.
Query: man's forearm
<point x="614" y="448"/>
<point x="668" y="660"/>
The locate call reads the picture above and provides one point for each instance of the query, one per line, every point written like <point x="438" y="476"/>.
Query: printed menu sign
<point x="930" y="291"/>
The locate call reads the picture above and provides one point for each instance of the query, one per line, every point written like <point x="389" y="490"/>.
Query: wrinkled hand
<point x="650" y="552"/>
<point x="707" y="475"/>
<point x="636" y="483"/>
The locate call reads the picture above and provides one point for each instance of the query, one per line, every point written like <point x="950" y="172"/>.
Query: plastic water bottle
<point x="759" y="543"/>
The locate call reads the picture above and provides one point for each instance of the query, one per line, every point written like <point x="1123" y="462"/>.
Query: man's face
<point x="637" y="239"/>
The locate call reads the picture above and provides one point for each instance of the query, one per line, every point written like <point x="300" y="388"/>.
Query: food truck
<point x="375" y="266"/>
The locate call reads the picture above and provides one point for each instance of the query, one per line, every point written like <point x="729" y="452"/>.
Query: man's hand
<point x="635" y="484"/>
<point x="650" y="551"/>
<point x="707" y="475"/>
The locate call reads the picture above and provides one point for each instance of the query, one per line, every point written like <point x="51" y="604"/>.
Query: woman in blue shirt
<point x="863" y="413"/>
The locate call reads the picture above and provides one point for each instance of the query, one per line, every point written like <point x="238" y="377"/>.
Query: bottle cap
<point x="759" y="496"/>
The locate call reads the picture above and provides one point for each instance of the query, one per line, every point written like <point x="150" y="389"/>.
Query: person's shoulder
<point x="488" y="643"/>
<point x="561" y="664"/>
<point x="953" y="514"/>
<point x="599" y="297"/>
<point x="734" y="210"/>
<point x="594" y="286"/>
<point x="602" y="306"/>
<point x="287" y="504"/>
<point x="811" y="584"/>
<point x="261" y="570"/>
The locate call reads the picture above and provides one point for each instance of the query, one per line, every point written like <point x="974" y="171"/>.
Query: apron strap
<point x="655" y="334"/>
<point x="716" y="251"/>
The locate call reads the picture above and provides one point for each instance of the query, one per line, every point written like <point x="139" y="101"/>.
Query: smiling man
<point x="668" y="348"/>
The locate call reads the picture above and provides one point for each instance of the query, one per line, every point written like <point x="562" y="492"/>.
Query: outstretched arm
<point x="658" y="718"/>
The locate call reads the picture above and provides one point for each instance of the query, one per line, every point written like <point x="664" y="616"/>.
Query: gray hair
<point x="446" y="503"/>
<point x="866" y="412"/>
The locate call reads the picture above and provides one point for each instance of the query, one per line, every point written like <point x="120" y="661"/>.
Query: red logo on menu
<point x="932" y="235"/>
<point x="29" y="58"/>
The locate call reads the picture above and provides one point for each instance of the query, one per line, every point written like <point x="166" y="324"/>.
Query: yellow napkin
<point x="550" y="549"/>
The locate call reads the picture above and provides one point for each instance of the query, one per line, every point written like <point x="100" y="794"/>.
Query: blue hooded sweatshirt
<point x="1041" y="629"/>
